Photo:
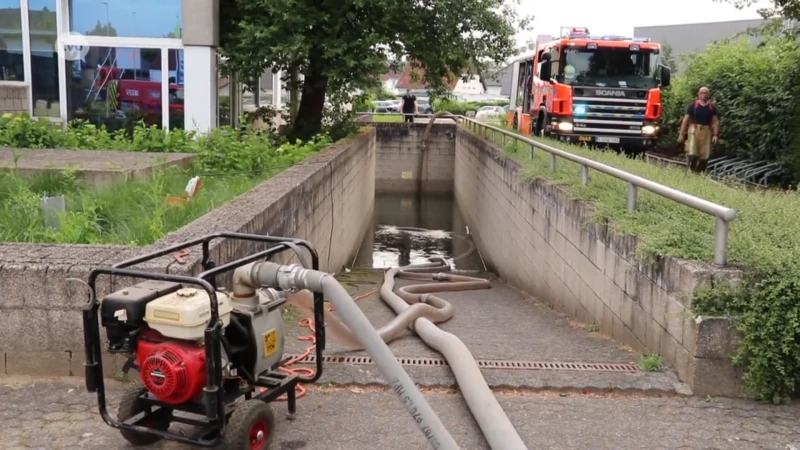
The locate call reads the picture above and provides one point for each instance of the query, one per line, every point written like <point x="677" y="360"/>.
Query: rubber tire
<point x="129" y="406"/>
<point x="244" y="417"/>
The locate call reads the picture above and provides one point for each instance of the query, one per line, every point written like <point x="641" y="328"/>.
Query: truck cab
<point x="597" y="90"/>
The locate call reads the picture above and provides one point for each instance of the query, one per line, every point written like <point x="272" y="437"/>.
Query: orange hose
<point x="307" y="371"/>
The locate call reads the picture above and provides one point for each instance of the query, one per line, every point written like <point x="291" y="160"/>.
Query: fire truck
<point x="595" y="90"/>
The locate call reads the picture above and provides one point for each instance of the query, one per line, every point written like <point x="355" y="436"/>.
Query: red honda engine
<point x="171" y="369"/>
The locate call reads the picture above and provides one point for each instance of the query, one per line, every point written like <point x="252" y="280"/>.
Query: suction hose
<point x="292" y="278"/>
<point x="495" y="425"/>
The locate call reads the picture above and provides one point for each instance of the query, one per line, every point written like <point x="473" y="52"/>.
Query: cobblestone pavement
<point x="56" y="414"/>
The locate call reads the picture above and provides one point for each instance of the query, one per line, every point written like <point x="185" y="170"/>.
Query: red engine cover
<point x="172" y="370"/>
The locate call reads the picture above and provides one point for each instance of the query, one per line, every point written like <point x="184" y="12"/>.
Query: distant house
<point x="418" y="87"/>
<point x="499" y="83"/>
<point x="389" y="81"/>
<point x="695" y="38"/>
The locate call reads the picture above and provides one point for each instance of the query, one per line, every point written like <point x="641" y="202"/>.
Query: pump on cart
<point x="208" y="357"/>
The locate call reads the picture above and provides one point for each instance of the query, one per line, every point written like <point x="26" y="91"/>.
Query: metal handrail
<point x="723" y="214"/>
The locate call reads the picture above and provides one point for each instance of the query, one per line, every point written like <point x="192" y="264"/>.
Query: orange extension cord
<point x="307" y="371"/>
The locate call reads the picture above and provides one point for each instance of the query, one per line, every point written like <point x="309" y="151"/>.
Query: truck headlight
<point x="647" y="130"/>
<point x="565" y="126"/>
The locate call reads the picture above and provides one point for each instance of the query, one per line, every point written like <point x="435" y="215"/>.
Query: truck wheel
<point x="131" y="405"/>
<point x="250" y="427"/>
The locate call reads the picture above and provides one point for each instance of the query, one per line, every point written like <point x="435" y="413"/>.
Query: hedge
<point x="755" y="90"/>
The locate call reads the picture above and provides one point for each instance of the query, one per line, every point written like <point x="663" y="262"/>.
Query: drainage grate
<point x="482" y="363"/>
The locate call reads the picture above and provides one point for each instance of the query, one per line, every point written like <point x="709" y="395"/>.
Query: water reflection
<point x="410" y="229"/>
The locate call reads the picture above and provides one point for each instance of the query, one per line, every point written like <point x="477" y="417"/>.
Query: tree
<point x="340" y="45"/>
<point x="667" y="58"/>
<point x="788" y="9"/>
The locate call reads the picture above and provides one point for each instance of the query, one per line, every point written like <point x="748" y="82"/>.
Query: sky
<point x="619" y="17"/>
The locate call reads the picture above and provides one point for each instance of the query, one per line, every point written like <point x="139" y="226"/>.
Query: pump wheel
<point x="131" y="405"/>
<point x="250" y="427"/>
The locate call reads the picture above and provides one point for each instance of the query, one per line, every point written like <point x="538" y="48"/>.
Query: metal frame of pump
<point x="547" y="103"/>
<point x="217" y="405"/>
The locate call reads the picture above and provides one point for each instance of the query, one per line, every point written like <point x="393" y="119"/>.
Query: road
<point x="58" y="414"/>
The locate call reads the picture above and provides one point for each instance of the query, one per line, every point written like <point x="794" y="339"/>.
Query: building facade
<point x="110" y="62"/>
<point x="691" y="38"/>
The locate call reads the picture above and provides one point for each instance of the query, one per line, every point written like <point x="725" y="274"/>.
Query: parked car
<point x="387" y="106"/>
<point x="489" y="112"/>
<point x="424" y="106"/>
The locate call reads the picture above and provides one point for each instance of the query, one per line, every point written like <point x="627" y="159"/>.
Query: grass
<point x="387" y="118"/>
<point x="763" y="235"/>
<point x="136" y="213"/>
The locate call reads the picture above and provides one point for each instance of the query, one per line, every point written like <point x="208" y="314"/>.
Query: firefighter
<point x="702" y="121"/>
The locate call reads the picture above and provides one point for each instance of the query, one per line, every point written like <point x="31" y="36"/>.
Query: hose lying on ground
<point x="407" y="303"/>
<point x="495" y="425"/>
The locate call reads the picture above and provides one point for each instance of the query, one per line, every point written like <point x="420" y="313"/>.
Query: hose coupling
<point x="423" y="298"/>
<point x="441" y="276"/>
<point x="291" y="277"/>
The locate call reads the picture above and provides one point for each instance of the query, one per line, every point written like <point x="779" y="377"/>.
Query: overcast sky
<point x="621" y="16"/>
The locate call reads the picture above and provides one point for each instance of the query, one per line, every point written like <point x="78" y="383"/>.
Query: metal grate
<point x="482" y="363"/>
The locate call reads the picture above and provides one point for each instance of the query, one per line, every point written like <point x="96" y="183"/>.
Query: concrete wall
<point x="327" y="201"/>
<point x="14" y="99"/>
<point x="404" y="166"/>
<point x="537" y="238"/>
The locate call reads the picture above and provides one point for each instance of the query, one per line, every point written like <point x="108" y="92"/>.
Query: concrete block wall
<point x="14" y="99"/>
<point x="327" y="201"/>
<point x="538" y="238"/>
<point x="404" y="166"/>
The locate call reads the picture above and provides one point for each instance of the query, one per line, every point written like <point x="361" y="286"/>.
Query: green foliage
<point x="789" y="9"/>
<point x="339" y="46"/>
<point x="755" y="90"/>
<point x="460" y="108"/>
<point x="764" y="240"/>
<point x="229" y="162"/>
<point x="651" y="363"/>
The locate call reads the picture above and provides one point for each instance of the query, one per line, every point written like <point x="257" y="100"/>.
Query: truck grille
<point x="594" y="115"/>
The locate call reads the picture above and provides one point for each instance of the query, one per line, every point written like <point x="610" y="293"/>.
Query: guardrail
<point x="724" y="215"/>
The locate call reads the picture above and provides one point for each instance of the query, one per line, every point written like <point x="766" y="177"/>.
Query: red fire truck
<point x="597" y="90"/>
<point x="145" y="95"/>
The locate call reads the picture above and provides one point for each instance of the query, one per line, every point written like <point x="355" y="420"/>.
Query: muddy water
<point x="409" y="229"/>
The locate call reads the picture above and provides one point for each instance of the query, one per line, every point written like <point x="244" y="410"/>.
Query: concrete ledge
<point x="97" y="168"/>
<point x="538" y="238"/>
<point x="327" y="201"/>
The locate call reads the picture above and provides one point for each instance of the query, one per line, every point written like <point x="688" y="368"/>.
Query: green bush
<point x="764" y="240"/>
<point x="229" y="162"/>
<point x="755" y="90"/>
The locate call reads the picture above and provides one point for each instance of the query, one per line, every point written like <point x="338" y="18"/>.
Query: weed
<point x="651" y="363"/>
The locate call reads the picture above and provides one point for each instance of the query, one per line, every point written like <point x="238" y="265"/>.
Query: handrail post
<point x="584" y="174"/>
<point x="633" y="193"/>
<point x="530" y="153"/>
<point x="553" y="162"/>
<point x="721" y="242"/>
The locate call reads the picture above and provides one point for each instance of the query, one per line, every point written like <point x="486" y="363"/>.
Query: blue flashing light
<point x="580" y="110"/>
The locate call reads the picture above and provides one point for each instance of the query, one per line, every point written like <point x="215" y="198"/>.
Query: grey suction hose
<point x="292" y="278"/>
<point x="495" y="425"/>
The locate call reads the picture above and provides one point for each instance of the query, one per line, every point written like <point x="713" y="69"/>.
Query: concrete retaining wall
<point x="327" y="201"/>
<point x="537" y="238"/>
<point x="404" y="166"/>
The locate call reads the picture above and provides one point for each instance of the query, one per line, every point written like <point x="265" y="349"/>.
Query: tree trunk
<point x="312" y="104"/>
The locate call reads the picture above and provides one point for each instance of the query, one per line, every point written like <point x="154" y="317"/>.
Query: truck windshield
<point x="609" y="67"/>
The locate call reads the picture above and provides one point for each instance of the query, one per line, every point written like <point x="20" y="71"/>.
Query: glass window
<point x="115" y="87"/>
<point x="126" y="18"/>
<point x="224" y="101"/>
<point x="44" y="58"/>
<point x="11" y="57"/>
<point x="176" y="84"/>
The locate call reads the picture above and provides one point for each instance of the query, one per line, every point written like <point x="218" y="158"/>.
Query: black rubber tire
<point x="245" y="417"/>
<point x="129" y="406"/>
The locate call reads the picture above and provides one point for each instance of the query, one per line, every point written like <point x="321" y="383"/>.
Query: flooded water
<point x="409" y="229"/>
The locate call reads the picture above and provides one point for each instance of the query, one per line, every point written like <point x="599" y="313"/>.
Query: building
<point x="113" y="61"/>
<point x="694" y="38"/>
